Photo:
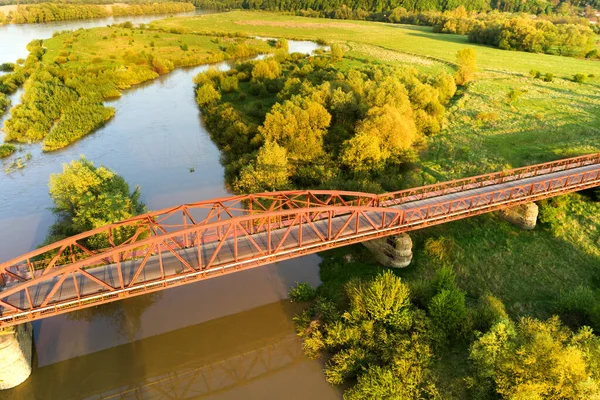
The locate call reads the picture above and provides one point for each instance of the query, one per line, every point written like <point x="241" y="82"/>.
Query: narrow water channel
<point x="226" y="338"/>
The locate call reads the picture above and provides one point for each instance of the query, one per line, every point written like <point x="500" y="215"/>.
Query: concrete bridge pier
<point x="523" y="215"/>
<point x="392" y="251"/>
<point x="16" y="347"/>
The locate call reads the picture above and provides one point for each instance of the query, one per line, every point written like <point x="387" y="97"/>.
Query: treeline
<point x="106" y="2"/>
<point x="46" y="12"/>
<point x="379" y="9"/>
<point x="154" y="8"/>
<point x="526" y="34"/>
<point x="64" y="96"/>
<point x="298" y="121"/>
<point x="568" y="36"/>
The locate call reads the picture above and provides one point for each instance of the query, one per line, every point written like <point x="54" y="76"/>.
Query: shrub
<point x="302" y="292"/>
<point x="467" y="66"/>
<point x="337" y="53"/>
<point x="206" y="94"/>
<point x="448" y="312"/>
<point x="579" y="78"/>
<point x="162" y="66"/>
<point x="60" y="59"/>
<point x="514" y="94"/>
<point x="579" y="307"/>
<point x="6" y="149"/>
<point x="229" y="84"/>
<point x="96" y="60"/>
<point x="487" y="116"/>
<point x="592" y="53"/>
<point x="7" y="67"/>
<point x="184" y="47"/>
<point x="487" y="313"/>
<point x="549" y="77"/>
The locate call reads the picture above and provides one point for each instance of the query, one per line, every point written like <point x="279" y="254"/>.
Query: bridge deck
<point x="225" y="258"/>
<point x="156" y="267"/>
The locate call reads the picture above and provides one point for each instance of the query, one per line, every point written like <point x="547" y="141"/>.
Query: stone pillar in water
<point x="524" y="215"/>
<point x="16" y="344"/>
<point x="392" y="251"/>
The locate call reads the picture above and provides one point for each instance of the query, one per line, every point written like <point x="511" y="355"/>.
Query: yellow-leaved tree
<point x="268" y="172"/>
<point x="467" y="66"/>
<point x="297" y="125"/>
<point x="534" y="359"/>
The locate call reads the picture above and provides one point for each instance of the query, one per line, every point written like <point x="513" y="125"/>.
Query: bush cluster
<point x="299" y="121"/>
<point x="46" y="12"/>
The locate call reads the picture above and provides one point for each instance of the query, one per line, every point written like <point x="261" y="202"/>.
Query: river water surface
<point x="226" y="338"/>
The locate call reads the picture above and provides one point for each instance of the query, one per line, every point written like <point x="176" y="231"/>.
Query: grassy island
<point x="74" y="72"/>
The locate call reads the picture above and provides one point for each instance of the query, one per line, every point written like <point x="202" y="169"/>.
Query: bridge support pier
<point x="524" y="215"/>
<point x="392" y="251"/>
<point x="16" y="346"/>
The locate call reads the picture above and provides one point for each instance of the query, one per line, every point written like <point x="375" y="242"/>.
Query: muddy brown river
<point x="226" y="338"/>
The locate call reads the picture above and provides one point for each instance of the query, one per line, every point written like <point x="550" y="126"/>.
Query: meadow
<point x="486" y="128"/>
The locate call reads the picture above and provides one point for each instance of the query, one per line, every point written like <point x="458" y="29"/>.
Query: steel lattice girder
<point x="206" y="239"/>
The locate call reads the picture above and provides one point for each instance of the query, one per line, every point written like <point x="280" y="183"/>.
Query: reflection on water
<point x="249" y="355"/>
<point x="224" y="338"/>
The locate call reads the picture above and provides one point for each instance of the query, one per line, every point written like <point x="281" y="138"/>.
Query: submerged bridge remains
<point x="198" y="241"/>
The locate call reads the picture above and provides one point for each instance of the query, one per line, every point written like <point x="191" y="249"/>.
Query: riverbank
<point x="49" y="12"/>
<point x="98" y="64"/>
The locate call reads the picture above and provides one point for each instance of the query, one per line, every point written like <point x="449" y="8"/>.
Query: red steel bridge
<point x="198" y="241"/>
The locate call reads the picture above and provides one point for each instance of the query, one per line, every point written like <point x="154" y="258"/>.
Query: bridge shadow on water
<point x="230" y="337"/>
<point x="253" y="354"/>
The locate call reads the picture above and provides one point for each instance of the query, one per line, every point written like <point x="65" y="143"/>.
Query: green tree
<point x="88" y="197"/>
<point x="381" y="340"/>
<point x="467" y="66"/>
<point x="362" y="153"/>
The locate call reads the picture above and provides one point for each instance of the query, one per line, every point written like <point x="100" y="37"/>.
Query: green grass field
<point x="547" y="121"/>
<point x="408" y="39"/>
<point x="114" y="46"/>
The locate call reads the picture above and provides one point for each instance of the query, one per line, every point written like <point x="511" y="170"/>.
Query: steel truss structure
<point x="197" y="241"/>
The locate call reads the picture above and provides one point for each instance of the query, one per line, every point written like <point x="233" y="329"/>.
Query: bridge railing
<point x="212" y="249"/>
<point x="479" y="181"/>
<point x="264" y="205"/>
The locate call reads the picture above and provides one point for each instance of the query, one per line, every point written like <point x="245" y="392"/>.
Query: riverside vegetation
<point x="315" y="122"/>
<point x="481" y="297"/>
<point x="47" y="12"/>
<point x="87" y="197"/>
<point x="74" y="72"/>
<point x="556" y="29"/>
